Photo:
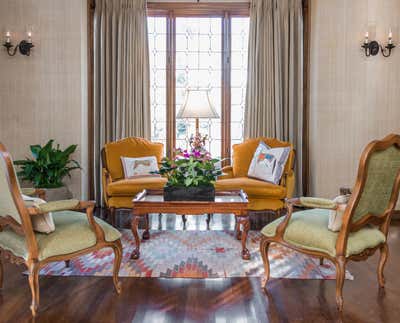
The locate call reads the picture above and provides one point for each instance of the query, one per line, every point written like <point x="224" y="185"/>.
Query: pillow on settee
<point x="268" y="163"/>
<point x="139" y="167"/>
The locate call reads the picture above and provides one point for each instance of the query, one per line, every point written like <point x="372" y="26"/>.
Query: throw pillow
<point x="336" y="216"/>
<point x="268" y="163"/>
<point x="139" y="167"/>
<point x="42" y="223"/>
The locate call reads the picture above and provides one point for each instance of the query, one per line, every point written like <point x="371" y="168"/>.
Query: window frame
<point x="225" y="11"/>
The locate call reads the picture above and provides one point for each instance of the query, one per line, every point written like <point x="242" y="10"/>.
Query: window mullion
<point x="170" y="75"/>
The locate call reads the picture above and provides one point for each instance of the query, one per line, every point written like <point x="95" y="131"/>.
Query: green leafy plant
<point x="49" y="165"/>
<point x="191" y="168"/>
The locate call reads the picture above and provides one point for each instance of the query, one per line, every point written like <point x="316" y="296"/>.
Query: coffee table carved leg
<point x="146" y="233"/>
<point x="238" y="233"/>
<point x="184" y="220"/>
<point x="208" y="220"/>
<point x="135" y="222"/>
<point x="246" y="227"/>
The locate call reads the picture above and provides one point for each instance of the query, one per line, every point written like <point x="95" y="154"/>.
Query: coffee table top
<point x="221" y="197"/>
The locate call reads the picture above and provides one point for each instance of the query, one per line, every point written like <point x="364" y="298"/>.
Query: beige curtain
<point x="274" y="100"/>
<point x="121" y="75"/>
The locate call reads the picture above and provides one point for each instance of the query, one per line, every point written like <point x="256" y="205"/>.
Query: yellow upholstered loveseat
<point x="118" y="192"/>
<point x="262" y="195"/>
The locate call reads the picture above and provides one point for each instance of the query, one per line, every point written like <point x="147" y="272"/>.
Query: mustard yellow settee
<point x="118" y="192"/>
<point x="262" y="195"/>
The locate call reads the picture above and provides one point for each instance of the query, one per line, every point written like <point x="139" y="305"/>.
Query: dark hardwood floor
<point x="92" y="299"/>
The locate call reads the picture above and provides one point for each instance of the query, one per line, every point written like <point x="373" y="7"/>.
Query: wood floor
<point x="92" y="299"/>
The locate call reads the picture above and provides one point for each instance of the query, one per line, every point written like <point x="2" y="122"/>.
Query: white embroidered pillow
<point x="268" y="163"/>
<point x="42" y="223"/>
<point x="336" y="216"/>
<point x="139" y="167"/>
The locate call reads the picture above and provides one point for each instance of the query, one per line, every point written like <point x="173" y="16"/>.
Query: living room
<point x="199" y="161"/>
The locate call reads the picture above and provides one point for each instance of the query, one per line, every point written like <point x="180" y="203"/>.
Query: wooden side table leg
<point x="146" y="233"/>
<point x="135" y="222"/>
<point x="246" y="227"/>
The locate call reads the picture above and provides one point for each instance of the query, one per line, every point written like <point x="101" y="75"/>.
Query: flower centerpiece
<point x="191" y="174"/>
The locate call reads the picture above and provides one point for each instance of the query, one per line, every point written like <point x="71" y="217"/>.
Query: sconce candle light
<point x="372" y="47"/>
<point x="24" y="46"/>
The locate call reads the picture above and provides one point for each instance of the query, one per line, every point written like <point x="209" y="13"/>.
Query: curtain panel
<point x="121" y="76"/>
<point x="274" y="99"/>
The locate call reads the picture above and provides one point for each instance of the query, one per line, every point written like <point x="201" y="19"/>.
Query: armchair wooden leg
<point x="146" y="233"/>
<point x="264" y="246"/>
<point x="111" y="214"/>
<point x="340" y="275"/>
<point x="382" y="261"/>
<point x="1" y="271"/>
<point x="117" y="248"/>
<point x="34" y="268"/>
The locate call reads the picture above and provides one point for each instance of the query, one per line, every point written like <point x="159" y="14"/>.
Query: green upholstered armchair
<point x="75" y="233"/>
<point x="365" y="223"/>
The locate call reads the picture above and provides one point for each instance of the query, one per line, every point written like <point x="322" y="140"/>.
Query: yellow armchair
<point x="118" y="192"/>
<point x="262" y="195"/>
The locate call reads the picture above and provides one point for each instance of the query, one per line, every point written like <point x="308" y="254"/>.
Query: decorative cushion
<point x="252" y="187"/>
<point x="132" y="186"/>
<point x="268" y="163"/>
<point x="139" y="167"/>
<point x="309" y="230"/>
<point x="336" y="216"/>
<point x="41" y="223"/>
<point x="73" y="233"/>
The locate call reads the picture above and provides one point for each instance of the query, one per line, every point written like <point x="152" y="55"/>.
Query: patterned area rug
<point x="195" y="254"/>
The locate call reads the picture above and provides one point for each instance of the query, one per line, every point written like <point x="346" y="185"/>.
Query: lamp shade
<point x="197" y="105"/>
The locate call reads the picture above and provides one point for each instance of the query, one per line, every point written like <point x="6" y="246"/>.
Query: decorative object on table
<point x="119" y="191"/>
<point x="263" y="196"/>
<point x="24" y="46"/>
<point x="76" y="233"/>
<point x="371" y="48"/>
<point x="47" y="169"/>
<point x="139" y="167"/>
<point x="366" y="218"/>
<point x="191" y="174"/>
<point x="268" y="163"/>
<point x="195" y="254"/>
<point x="197" y="105"/>
<point x="227" y="203"/>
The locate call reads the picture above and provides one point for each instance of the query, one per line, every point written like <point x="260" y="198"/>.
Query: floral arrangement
<point x="191" y="167"/>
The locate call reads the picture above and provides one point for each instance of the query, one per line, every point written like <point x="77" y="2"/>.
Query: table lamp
<point x="197" y="105"/>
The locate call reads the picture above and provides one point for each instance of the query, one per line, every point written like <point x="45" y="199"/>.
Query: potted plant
<point x="47" y="169"/>
<point x="191" y="175"/>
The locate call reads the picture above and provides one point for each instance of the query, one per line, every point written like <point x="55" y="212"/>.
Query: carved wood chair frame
<point x="348" y="226"/>
<point x="25" y="229"/>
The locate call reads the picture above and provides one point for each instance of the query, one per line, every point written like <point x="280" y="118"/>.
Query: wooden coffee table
<point x="226" y="202"/>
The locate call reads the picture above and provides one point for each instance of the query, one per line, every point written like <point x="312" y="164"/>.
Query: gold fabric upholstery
<point x="132" y="186"/>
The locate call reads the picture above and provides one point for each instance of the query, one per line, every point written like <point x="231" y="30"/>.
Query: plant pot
<point x="198" y="193"/>
<point x="57" y="194"/>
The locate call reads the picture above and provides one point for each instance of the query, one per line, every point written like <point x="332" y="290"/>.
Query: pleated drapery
<point x="274" y="97"/>
<point x="121" y="76"/>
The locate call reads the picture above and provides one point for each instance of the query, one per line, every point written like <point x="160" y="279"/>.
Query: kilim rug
<point x="195" y="254"/>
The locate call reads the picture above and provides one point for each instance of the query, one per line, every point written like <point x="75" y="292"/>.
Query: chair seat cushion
<point x="252" y="187"/>
<point x="309" y="230"/>
<point x="73" y="233"/>
<point x="132" y="186"/>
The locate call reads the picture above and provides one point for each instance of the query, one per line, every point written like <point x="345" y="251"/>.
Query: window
<point x="198" y="51"/>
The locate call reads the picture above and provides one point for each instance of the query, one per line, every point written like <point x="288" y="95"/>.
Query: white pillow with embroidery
<point x="268" y="163"/>
<point x="42" y="223"/>
<point x="139" y="167"/>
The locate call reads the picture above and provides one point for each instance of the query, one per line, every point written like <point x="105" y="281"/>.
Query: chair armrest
<point x="30" y="191"/>
<point x="316" y="202"/>
<point x="227" y="172"/>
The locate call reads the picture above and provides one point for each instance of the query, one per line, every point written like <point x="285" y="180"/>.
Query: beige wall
<point x="44" y="96"/>
<point x="354" y="99"/>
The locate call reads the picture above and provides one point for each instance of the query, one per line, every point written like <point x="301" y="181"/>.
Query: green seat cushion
<point x="73" y="233"/>
<point x="308" y="229"/>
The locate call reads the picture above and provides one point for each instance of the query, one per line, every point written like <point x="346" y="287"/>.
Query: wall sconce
<point x="24" y="46"/>
<point x="372" y="47"/>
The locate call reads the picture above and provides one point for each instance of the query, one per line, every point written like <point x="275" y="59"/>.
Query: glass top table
<point x="226" y="202"/>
